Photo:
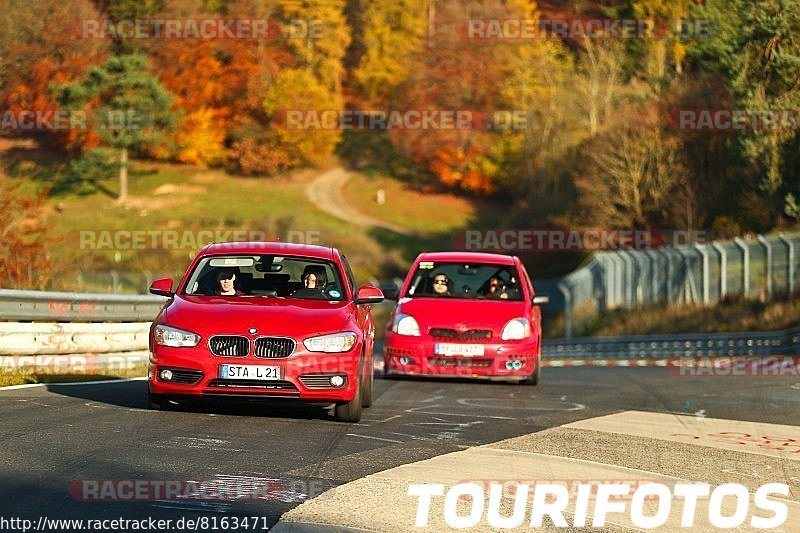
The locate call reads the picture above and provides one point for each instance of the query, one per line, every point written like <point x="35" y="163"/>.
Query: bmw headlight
<point x="174" y="337"/>
<point x="334" y="343"/>
<point x="517" y="328"/>
<point x="405" y="325"/>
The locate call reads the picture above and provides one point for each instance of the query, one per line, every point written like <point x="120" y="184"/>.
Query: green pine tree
<point x="133" y="111"/>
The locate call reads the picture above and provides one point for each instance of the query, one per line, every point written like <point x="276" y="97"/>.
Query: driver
<point x="226" y="279"/>
<point x="441" y="285"/>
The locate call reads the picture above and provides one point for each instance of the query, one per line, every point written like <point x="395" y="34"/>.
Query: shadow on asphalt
<point x="132" y="395"/>
<point x="450" y="380"/>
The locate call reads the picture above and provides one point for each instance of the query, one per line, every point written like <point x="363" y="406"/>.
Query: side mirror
<point x="162" y="287"/>
<point x="541" y="300"/>
<point x="369" y="295"/>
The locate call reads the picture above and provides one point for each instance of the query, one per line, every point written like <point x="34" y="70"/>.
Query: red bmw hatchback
<point x="466" y="315"/>
<point x="265" y="320"/>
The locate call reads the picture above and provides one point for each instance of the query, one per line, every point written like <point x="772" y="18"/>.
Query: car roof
<point x="468" y="257"/>
<point x="272" y="248"/>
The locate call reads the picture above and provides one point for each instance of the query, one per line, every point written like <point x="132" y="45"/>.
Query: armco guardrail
<point x="756" y="343"/>
<point x="39" y="338"/>
<point x="75" y="307"/>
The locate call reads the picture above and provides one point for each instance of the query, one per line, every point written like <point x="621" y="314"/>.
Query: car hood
<point x="235" y="315"/>
<point x="461" y="314"/>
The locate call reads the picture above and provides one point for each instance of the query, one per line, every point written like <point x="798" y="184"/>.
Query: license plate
<point x="468" y="350"/>
<point x="264" y="373"/>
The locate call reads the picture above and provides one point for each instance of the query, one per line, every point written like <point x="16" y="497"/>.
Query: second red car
<point x="463" y="314"/>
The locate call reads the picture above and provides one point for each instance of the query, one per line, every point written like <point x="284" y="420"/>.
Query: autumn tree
<point x="39" y="48"/>
<point x="393" y="32"/>
<point x="630" y="172"/>
<point x="672" y="32"/>
<point x="299" y="89"/>
<point x="322" y="37"/>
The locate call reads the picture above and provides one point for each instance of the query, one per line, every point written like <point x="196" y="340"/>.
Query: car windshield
<point x="270" y="276"/>
<point x="465" y="281"/>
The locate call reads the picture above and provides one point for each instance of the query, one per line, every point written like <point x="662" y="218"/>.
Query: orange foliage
<point x="218" y="85"/>
<point x="456" y="168"/>
<point x="54" y="57"/>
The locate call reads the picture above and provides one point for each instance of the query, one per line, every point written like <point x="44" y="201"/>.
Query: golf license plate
<point x="469" y="350"/>
<point x="264" y="373"/>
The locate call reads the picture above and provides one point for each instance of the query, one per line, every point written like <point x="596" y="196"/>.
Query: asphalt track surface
<point x="53" y="436"/>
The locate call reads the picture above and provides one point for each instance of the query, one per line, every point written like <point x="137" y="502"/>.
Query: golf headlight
<point x="174" y="337"/>
<point x="335" y="343"/>
<point x="516" y="329"/>
<point x="405" y="325"/>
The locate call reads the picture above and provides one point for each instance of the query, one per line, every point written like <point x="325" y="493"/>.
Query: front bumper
<point x="512" y="360"/>
<point x="303" y="375"/>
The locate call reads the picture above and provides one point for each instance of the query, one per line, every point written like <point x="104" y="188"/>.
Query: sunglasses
<point x="440" y="282"/>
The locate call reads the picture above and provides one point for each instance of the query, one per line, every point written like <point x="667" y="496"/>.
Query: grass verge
<point x="742" y="315"/>
<point x="28" y="376"/>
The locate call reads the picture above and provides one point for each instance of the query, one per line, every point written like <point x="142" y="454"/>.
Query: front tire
<point x="350" y="411"/>
<point x="369" y="382"/>
<point x="536" y="376"/>
<point x="157" y="402"/>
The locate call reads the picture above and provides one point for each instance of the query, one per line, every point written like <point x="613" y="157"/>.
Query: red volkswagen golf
<point x="466" y="315"/>
<point x="265" y="320"/>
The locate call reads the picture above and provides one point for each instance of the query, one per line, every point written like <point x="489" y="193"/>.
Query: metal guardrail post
<point x="627" y="293"/>
<point x="723" y="269"/>
<point x="654" y="270"/>
<point x="768" y="248"/>
<point x="745" y="266"/>
<point x="567" y="293"/>
<point x="639" y="259"/>
<point x="667" y="276"/>
<point x="791" y="263"/>
<point x="706" y="281"/>
<point x="601" y="292"/>
<point x="689" y="285"/>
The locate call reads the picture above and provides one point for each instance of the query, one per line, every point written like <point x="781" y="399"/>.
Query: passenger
<point x="495" y="288"/>
<point x="226" y="283"/>
<point x="441" y="285"/>
<point x="314" y="283"/>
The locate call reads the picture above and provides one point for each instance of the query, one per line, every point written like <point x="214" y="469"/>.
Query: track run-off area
<point x="93" y="451"/>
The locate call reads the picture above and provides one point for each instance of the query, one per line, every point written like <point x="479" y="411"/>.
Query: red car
<point x="265" y="320"/>
<point x="465" y="314"/>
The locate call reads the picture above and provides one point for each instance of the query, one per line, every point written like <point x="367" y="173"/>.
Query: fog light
<point x="165" y="375"/>
<point x="337" y="381"/>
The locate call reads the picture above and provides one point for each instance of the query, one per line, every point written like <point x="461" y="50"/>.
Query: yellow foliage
<point x="200" y="138"/>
